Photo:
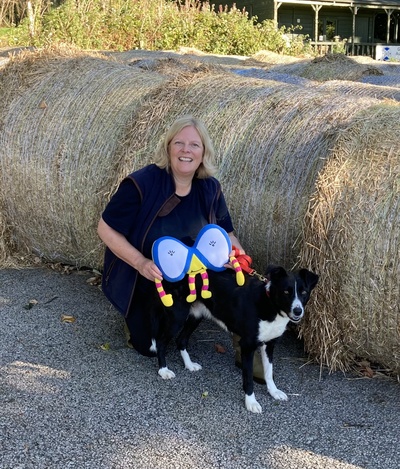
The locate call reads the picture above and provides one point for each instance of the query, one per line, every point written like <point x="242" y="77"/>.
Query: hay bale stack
<point x="73" y="126"/>
<point x="81" y="124"/>
<point x="353" y="240"/>
<point x="61" y="123"/>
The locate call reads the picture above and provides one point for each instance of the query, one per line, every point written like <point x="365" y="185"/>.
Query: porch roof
<point x="376" y="4"/>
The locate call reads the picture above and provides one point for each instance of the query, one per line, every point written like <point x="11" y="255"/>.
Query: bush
<point x="152" y="25"/>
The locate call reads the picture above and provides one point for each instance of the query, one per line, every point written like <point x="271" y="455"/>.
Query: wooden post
<point x="389" y="14"/>
<point x="316" y="8"/>
<point x="354" y="10"/>
<point x="31" y="18"/>
<point x="276" y="7"/>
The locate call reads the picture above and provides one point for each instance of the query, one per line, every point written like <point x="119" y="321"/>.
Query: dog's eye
<point x="286" y="292"/>
<point x="303" y="293"/>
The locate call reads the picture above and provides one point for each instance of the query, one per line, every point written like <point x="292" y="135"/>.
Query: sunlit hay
<point x="268" y="57"/>
<point x="59" y="136"/>
<point x="271" y="140"/>
<point x="353" y="241"/>
<point x="26" y="68"/>
<point x="337" y="67"/>
<point x="173" y="67"/>
<point x="328" y="67"/>
<point x="362" y="89"/>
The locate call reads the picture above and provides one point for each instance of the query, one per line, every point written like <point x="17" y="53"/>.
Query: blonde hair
<point x="161" y="158"/>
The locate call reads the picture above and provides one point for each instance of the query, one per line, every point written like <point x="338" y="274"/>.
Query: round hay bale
<point x="328" y="67"/>
<point x="337" y="67"/>
<point x="362" y="89"/>
<point x="271" y="140"/>
<point x="353" y="241"/>
<point x="60" y="129"/>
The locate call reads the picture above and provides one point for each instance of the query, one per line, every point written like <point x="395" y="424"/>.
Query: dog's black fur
<point x="258" y="312"/>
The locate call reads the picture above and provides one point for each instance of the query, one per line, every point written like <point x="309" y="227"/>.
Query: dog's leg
<point x="163" y="370"/>
<point x="248" y="385"/>
<point x="183" y="339"/>
<point x="266" y="356"/>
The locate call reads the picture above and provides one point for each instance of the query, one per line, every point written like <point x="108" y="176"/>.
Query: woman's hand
<point x="237" y="249"/>
<point x="148" y="269"/>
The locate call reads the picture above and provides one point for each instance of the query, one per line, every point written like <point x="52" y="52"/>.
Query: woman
<point x="175" y="197"/>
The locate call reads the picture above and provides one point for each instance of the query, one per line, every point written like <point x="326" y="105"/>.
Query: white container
<point x="385" y="52"/>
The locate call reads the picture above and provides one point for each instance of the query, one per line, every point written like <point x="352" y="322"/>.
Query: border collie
<point x="258" y="312"/>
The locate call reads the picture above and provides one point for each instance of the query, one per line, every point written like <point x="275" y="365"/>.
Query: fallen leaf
<point x="94" y="280"/>
<point x="105" y="347"/>
<point x="31" y="304"/>
<point x="43" y="104"/>
<point x="67" y="318"/>
<point x="365" y="369"/>
<point x="219" y="348"/>
<point x="204" y="394"/>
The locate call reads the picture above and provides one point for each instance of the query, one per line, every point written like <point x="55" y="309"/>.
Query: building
<point x="357" y="21"/>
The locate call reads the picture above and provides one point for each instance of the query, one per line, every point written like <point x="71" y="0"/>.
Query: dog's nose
<point x="297" y="312"/>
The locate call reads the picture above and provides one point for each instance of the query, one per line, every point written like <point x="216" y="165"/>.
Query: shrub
<point x="152" y="25"/>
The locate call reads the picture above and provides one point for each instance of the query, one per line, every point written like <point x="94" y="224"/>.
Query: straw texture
<point x="353" y="240"/>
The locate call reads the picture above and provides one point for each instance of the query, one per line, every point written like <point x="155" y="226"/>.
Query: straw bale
<point x="271" y="140"/>
<point x="60" y="130"/>
<point x="324" y="68"/>
<point x="353" y="240"/>
<point x="268" y="57"/>
<point x="362" y="89"/>
<point x="337" y="67"/>
<point x="255" y="72"/>
<point x="390" y="77"/>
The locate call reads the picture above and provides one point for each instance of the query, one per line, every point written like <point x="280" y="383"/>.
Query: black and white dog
<point x="258" y="312"/>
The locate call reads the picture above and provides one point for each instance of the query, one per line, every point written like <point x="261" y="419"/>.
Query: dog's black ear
<point x="309" y="278"/>
<point x="275" y="271"/>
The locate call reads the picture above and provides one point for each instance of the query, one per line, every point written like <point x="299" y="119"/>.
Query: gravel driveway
<point x="73" y="396"/>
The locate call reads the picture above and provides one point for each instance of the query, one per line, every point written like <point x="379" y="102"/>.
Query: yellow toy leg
<point x="192" y="288"/>
<point x="238" y="270"/>
<point x="166" y="299"/>
<point x="204" y="289"/>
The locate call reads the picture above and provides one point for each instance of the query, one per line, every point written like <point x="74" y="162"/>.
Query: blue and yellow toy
<point x="210" y="251"/>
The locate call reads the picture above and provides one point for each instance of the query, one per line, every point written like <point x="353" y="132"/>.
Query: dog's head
<point x="290" y="291"/>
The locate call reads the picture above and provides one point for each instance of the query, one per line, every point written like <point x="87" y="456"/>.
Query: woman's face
<point x="186" y="152"/>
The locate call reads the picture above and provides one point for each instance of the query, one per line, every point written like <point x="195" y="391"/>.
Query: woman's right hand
<point x="148" y="269"/>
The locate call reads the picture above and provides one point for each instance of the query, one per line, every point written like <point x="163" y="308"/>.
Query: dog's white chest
<point x="271" y="330"/>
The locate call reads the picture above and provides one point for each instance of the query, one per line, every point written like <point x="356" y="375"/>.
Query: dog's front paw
<point x="189" y="365"/>
<point x="193" y="366"/>
<point x="165" y="373"/>
<point x="252" y="405"/>
<point x="278" y="395"/>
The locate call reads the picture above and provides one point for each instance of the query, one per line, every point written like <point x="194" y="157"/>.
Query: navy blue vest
<point x="157" y="191"/>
